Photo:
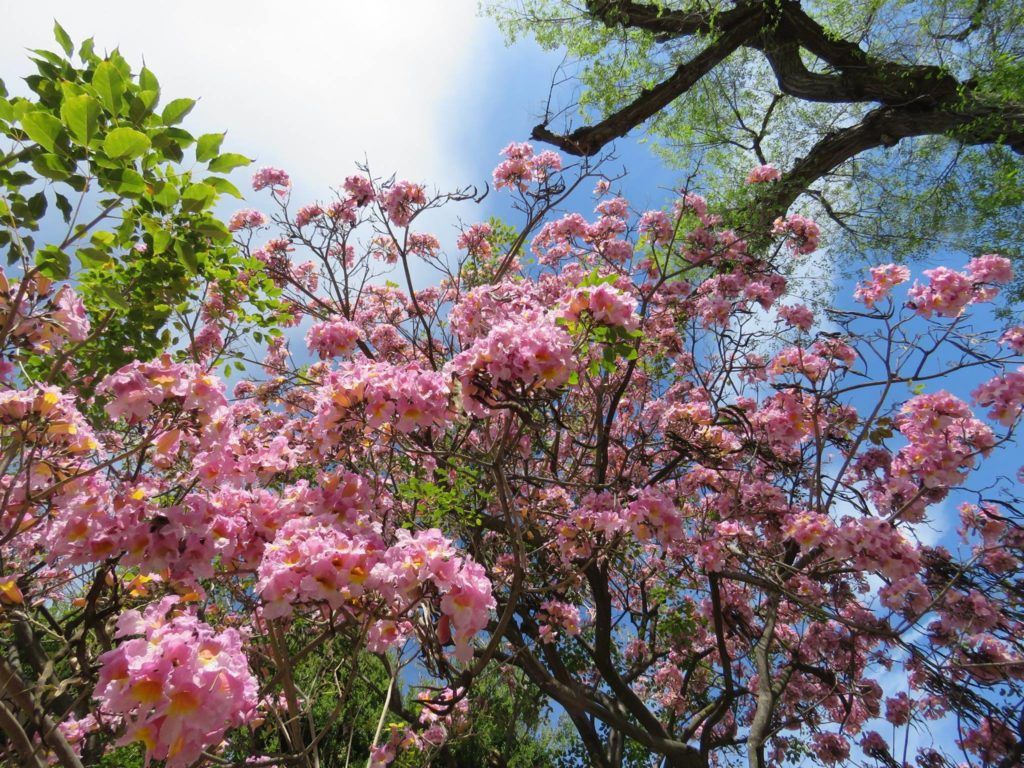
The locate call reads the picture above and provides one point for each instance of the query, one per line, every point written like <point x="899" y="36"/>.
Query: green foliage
<point x="508" y="726"/>
<point x="453" y="498"/>
<point x="95" y="167"/>
<point x="923" y="195"/>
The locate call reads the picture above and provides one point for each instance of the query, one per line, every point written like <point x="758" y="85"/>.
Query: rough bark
<point x="913" y="100"/>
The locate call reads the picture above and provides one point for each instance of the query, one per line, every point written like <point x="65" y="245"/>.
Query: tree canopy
<point x="602" y="493"/>
<point x="897" y="123"/>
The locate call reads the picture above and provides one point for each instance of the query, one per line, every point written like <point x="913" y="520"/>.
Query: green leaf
<point x="208" y="146"/>
<point x="161" y="239"/>
<point x="86" y="51"/>
<point x="92" y="258"/>
<point x="53" y="263"/>
<point x="165" y="194"/>
<point x="63" y="38"/>
<point x="197" y="197"/>
<point x="80" y="114"/>
<point x="42" y="127"/>
<point x="50" y="166"/>
<point x="125" y="142"/>
<point x="113" y="297"/>
<point x="223" y="186"/>
<point x="65" y="207"/>
<point x="175" y="112"/>
<point x="129" y="183"/>
<point x="142" y="105"/>
<point x="228" y="162"/>
<point x="213" y="229"/>
<point x="187" y="255"/>
<point x="148" y="81"/>
<point x="37" y="205"/>
<point x="109" y="85"/>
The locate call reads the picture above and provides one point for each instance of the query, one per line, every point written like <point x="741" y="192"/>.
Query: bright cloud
<point x="308" y="86"/>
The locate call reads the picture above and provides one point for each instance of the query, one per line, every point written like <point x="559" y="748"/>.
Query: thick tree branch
<point x="915" y="100"/>
<point x="884" y="127"/>
<point x="589" y="141"/>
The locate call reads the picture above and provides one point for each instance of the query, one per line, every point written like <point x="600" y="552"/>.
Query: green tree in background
<point x="95" y="182"/>
<point x="898" y="122"/>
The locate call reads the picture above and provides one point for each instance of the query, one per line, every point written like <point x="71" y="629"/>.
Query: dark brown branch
<point x="915" y="100"/>
<point x="588" y="141"/>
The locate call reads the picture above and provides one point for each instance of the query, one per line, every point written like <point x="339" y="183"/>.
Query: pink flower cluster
<point x="46" y="416"/>
<point x="406" y="397"/>
<point x="797" y="316"/>
<point x="1014" y="339"/>
<point x="309" y="213"/>
<point x="360" y="190"/>
<point x="278" y="181"/>
<point x="944" y="441"/>
<point x="654" y="512"/>
<point x="658" y="227"/>
<point x="803" y="233"/>
<point x="177" y="684"/>
<point x="246" y="218"/>
<point x="814" y="363"/>
<point x="137" y="388"/>
<point x="474" y="240"/>
<point x="605" y="304"/>
<point x="948" y="292"/>
<point x="883" y="279"/>
<point x="874" y="544"/>
<point x="763" y="173"/>
<point x="318" y="560"/>
<point x="332" y="338"/>
<point x="521" y="167"/>
<point x="70" y="314"/>
<point x="1004" y="395"/>
<point x="402" y="200"/>
<point x="556" y="616"/>
<point x="516" y="358"/>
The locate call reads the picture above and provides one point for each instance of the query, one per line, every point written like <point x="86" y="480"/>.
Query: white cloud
<point x="307" y="86"/>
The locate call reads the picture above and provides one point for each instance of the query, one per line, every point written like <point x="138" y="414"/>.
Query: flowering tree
<point x="606" y="456"/>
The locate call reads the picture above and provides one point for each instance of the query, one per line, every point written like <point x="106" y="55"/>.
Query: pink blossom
<point x="246" y="218"/>
<point x="307" y="213"/>
<point x="556" y="616"/>
<point x="360" y="189"/>
<point x="160" y="682"/>
<point x="946" y="294"/>
<point x="278" y="181"/>
<point x="990" y="268"/>
<point x="803" y="233"/>
<point x="71" y="314"/>
<point x="1004" y="395"/>
<point x="1014" y="339"/>
<point x="474" y="240"/>
<point x="658" y="227"/>
<point x="516" y="358"/>
<point x="605" y="304"/>
<point x="763" y="173"/>
<point x="797" y="316"/>
<point x="332" y="338"/>
<point x="401" y="201"/>
<point x="883" y="279"/>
